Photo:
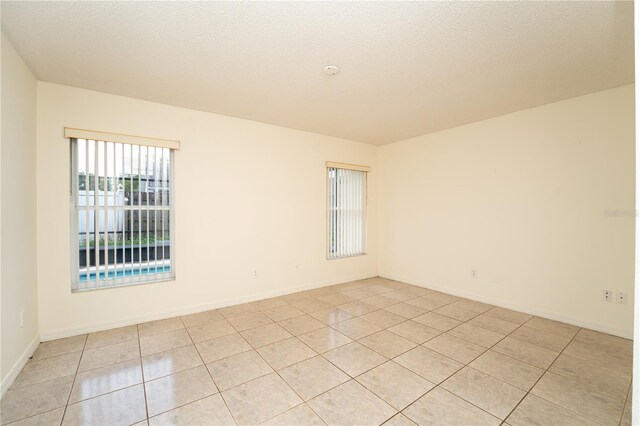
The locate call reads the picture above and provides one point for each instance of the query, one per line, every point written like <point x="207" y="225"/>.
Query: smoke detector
<point x="331" y="70"/>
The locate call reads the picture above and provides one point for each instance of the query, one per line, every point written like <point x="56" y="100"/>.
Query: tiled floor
<point x="367" y="352"/>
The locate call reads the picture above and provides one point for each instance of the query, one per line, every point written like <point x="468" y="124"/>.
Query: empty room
<point x="318" y="213"/>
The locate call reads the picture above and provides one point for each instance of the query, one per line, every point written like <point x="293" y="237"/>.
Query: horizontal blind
<point x="122" y="214"/>
<point x="347" y="212"/>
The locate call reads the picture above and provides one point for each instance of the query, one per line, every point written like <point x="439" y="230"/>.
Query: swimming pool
<point x="127" y="272"/>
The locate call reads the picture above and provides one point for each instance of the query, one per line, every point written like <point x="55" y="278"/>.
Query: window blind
<point x="122" y="213"/>
<point x="347" y="198"/>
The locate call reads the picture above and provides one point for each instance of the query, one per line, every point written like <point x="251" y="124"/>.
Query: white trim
<point x="8" y="380"/>
<point x="580" y="322"/>
<point x="72" y="133"/>
<point x="347" y="166"/>
<point x="106" y="325"/>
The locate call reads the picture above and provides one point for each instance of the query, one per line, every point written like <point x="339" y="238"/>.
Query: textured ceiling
<point x="407" y="68"/>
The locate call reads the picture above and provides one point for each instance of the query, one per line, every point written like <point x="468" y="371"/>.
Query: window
<point x="347" y="202"/>
<point x="122" y="210"/>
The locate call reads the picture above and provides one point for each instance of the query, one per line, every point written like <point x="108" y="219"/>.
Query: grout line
<point x="74" y="379"/>
<point x="144" y="387"/>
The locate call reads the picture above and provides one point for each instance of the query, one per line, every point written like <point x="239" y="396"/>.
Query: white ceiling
<point x="407" y="68"/>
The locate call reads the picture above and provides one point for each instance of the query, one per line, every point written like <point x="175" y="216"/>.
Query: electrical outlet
<point x="606" y="295"/>
<point x="474" y="273"/>
<point x="298" y="267"/>
<point x="255" y="273"/>
<point x="621" y="297"/>
<point x="21" y="319"/>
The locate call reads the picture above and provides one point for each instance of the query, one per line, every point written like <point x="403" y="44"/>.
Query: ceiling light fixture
<point x="331" y="70"/>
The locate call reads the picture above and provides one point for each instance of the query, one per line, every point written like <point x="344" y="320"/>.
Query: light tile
<point x="531" y="354"/>
<point x="222" y="347"/>
<point x="170" y="362"/>
<point x="426" y="304"/>
<point x="260" y="400"/>
<point x="405" y="310"/>
<point x="383" y="319"/>
<point x="311" y="305"/>
<point x="284" y="312"/>
<point x="208" y="411"/>
<point x="437" y="321"/>
<point x="414" y="331"/>
<point x="455" y="312"/>
<point x="237" y="310"/>
<point x="476" y="335"/>
<point x="380" y="301"/>
<point x="324" y="339"/>
<point x="178" y="389"/>
<point x="107" y="355"/>
<point x="493" y="324"/>
<point x="429" y="364"/>
<point x="238" y="369"/>
<point x="399" y="420"/>
<point x="123" y="407"/>
<point x="454" y="348"/>
<point x="248" y="321"/>
<point x="508" y="315"/>
<point x="358" y="294"/>
<point x="357" y="308"/>
<point x="536" y="411"/>
<point x="331" y="316"/>
<point x="606" y="342"/>
<point x="356" y="328"/>
<point x="585" y="372"/>
<point x="510" y="370"/>
<point x="618" y="363"/>
<point x="111" y="337"/>
<point x="285" y="352"/>
<point x="59" y="347"/>
<point x="472" y="305"/>
<point x="210" y="330"/>
<point x="300" y="325"/>
<point x="49" y="418"/>
<point x="265" y="335"/>
<point x="301" y="415"/>
<point x="351" y="404"/>
<point x="161" y="326"/>
<point x="312" y="377"/>
<point x="401" y="295"/>
<point x="20" y="403"/>
<point x="396" y="385"/>
<point x="336" y="299"/>
<point x="103" y="380"/>
<point x="274" y="302"/>
<point x="47" y="369"/>
<point x="387" y="344"/>
<point x="440" y="407"/>
<point x="354" y="358"/>
<point x="579" y="398"/>
<point x="201" y="317"/>
<point x="554" y="327"/>
<point x="541" y="338"/>
<point x="480" y="389"/>
<point x="163" y="342"/>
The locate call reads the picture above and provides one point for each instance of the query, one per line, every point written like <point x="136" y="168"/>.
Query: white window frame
<point x="346" y="253"/>
<point x="75" y="210"/>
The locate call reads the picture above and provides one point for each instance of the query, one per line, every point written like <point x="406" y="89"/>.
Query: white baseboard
<point x="8" y="380"/>
<point x="531" y="310"/>
<point x="105" y="325"/>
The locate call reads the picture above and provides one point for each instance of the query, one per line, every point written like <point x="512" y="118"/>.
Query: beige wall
<point x="18" y="212"/>
<point x="248" y="196"/>
<point x="521" y="198"/>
